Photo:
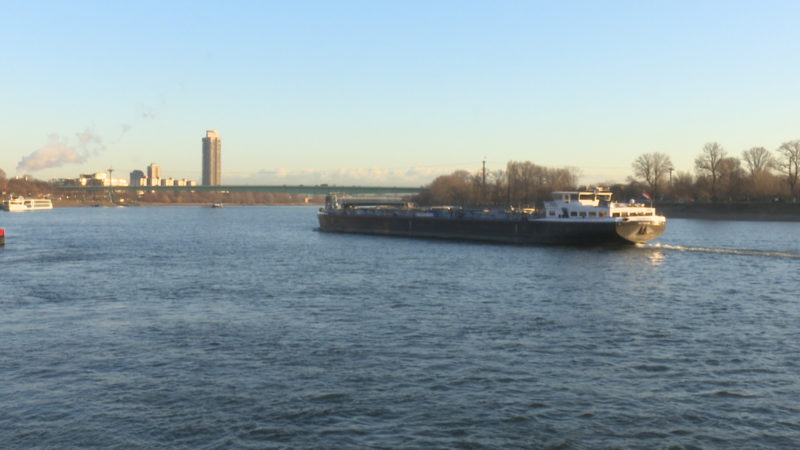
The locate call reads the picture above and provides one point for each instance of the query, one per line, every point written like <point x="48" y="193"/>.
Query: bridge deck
<point x="281" y="189"/>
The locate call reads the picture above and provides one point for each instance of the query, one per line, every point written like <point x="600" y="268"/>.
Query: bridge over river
<point x="310" y="190"/>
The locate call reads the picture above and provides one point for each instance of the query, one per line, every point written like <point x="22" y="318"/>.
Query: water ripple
<point x="271" y="335"/>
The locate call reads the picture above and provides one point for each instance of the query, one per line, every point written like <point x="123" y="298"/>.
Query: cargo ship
<point x="569" y="218"/>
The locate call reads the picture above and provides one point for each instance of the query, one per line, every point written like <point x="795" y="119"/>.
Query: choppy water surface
<point x="237" y="327"/>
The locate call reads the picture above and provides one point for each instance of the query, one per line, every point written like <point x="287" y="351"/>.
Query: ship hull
<point x="522" y="232"/>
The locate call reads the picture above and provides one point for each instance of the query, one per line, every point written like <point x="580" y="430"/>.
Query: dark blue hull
<point x="536" y="231"/>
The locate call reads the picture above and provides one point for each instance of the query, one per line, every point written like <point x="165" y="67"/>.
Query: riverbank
<point x="70" y="203"/>
<point x="107" y="204"/>
<point x="778" y="212"/>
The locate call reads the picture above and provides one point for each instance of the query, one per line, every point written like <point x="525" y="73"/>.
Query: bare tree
<point x="730" y="177"/>
<point x="758" y="161"/>
<point x="521" y="184"/>
<point x="512" y="175"/>
<point x="789" y="163"/>
<point x="497" y="187"/>
<point x="453" y="189"/>
<point x="526" y="181"/>
<point x="708" y="163"/>
<point x="652" y="168"/>
<point x="529" y="184"/>
<point x="683" y="187"/>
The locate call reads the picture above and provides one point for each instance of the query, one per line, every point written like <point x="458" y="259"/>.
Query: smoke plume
<point x="57" y="152"/>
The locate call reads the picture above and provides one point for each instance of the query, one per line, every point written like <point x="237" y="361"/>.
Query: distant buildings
<point x="91" y="179"/>
<point x="154" y="175"/>
<point x="153" y="178"/>
<point x="212" y="156"/>
<point x="100" y="179"/>
<point x="138" y="178"/>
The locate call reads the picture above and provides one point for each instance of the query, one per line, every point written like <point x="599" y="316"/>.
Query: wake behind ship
<point x="570" y="218"/>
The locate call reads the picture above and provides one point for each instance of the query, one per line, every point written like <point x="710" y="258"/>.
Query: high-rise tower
<point x="154" y="175"/>
<point x="212" y="159"/>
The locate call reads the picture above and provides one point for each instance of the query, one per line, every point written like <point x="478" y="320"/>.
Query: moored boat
<point x="20" y="204"/>
<point x="569" y="218"/>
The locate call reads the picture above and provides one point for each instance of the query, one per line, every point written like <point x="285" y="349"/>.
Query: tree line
<point x="24" y="186"/>
<point x="522" y="184"/>
<point x="757" y="176"/>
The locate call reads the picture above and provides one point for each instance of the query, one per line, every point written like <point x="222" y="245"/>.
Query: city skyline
<point x="359" y="93"/>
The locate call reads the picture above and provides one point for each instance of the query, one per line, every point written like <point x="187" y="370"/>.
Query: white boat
<point x="20" y="204"/>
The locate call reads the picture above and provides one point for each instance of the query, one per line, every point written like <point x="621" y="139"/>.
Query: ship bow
<point x="641" y="231"/>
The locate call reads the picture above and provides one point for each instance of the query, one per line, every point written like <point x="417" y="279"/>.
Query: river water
<point x="244" y="327"/>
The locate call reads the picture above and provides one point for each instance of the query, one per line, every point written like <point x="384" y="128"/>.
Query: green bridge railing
<point x="321" y="190"/>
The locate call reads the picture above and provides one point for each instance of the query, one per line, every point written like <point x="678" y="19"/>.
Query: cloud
<point x="57" y="152"/>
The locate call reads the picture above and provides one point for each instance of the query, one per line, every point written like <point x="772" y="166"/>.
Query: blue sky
<point x="390" y="92"/>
